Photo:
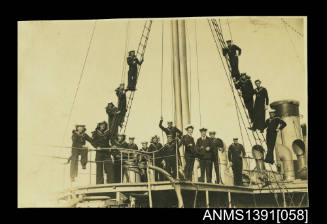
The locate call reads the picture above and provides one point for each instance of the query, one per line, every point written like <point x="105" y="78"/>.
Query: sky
<point x="50" y="61"/>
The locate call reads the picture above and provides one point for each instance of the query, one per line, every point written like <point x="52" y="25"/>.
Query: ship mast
<point x="182" y="108"/>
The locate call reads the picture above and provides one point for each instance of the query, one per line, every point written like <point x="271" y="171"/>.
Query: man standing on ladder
<point x="260" y="106"/>
<point x="121" y="94"/>
<point x="247" y="91"/>
<point x="231" y="50"/>
<point x="274" y="125"/>
<point x="133" y="62"/>
<point x="113" y="116"/>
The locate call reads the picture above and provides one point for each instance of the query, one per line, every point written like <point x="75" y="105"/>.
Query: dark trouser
<point x="206" y="169"/>
<point x="104" y="163"/>
<point x="249" y="106"/>
<point x="237" y="171"/>
<point x="216" y="165"/>
<point x="132" y="78"/>
<point x="189" y="165"/>
<point x="171" y="165"/>
<point x="74" y="161"/>
<point x="271" y="140"/>
<point x="234" y="66"/>
<point x="117" y="170"/>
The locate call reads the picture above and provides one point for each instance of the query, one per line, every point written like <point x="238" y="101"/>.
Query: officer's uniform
<point x="79" y="141"/>
<point x="216" y="143"/>
<point x="235" y="152"/>
<point x="190" y="155"/>
<point x="102" y="157"/>
<point x="271" y="135"/>
<point x="203" y="146"/>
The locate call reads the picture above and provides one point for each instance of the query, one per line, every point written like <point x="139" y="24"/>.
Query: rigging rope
<point x="291" y="27"/>
<point x="296" y="54"/>
<point x="79" y="82"/>
<point x="125" y="55"/>
<point x="197" y="72"/>
<point x="162" y="43"/>
<point x="230" y="33"/>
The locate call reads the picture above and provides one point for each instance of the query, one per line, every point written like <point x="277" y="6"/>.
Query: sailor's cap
<point x="189" y="126"/>
<point x="132" y="138"/>
<point x="212" y="132"/>
<point x="235" y="138"/>
<point x="228" y="41"/>
<point x="258" y="80"/>
<point x="145" y="142"/>
<point x="169" y="122"/>
<point x="203" y="129"/>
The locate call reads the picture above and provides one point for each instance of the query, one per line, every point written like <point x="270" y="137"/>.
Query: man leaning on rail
<point x="79" y="138"/>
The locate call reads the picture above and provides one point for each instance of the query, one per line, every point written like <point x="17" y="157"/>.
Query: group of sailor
<point x="107" y="141"/>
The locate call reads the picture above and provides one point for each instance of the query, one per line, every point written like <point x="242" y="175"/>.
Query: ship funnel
<point x="299" y="149"/>
<point x="287" y="165"/>
<point x="290" y="140"/>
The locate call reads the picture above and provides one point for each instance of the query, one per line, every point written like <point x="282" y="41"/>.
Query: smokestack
<point x="289" y="142"/>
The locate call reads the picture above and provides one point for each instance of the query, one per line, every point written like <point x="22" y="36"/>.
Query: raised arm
<point x="162" y="127"/>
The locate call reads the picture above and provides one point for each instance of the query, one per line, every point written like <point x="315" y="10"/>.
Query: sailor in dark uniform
<point x="217" y="145"/>
<point x="247" y="91"/>
<point x="121" y="94"/>
<point x="203" y="146"/>
<point x="169" y="155"/>
<point x="142" y="159"/>
<point x="79" y="139"/>
<point x="131" y="144"/>
<point x="260" y="106"/>
<point x="103" y="159"/>
<point x="236" y="152"/>
<point x="274" y="125"/>
<point x="232" y="50"/>
<point x="190" y="152"/>
<point x="133" y="63"/>
<point x="122" y="144"/>
<point x="155" y="147"/>
<point x="113" y="119"/>
<point x="170" y="130"/>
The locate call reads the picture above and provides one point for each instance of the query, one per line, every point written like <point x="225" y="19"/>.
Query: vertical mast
<point x="183" y="73"/>
<point x="176" y="75"/>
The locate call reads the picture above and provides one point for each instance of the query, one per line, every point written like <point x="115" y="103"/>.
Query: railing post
<point x="121" y="167"/>
<point x="149" y="187"/>
<point x="90" y="153"/>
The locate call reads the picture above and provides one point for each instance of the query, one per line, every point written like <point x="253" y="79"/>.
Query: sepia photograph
<point x="185" y="112"/>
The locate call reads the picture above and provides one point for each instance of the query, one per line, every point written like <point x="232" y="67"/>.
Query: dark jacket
<point x="216" y="143"/>
<point x="235" y="152"/>
<point x="175" y="132"/>
<point x="231" y="51"/>
<point x="133" y="146"/>
<point x="101" y="139"/>
<point x="188" y="142"/>
<point x="79" y="140"/>
<point x="154" y="147"/>
<point x="121" y="100"/>
<point x="272" y="124"/>
<point x="201" y="146"/>
<point x="133" y="62"/>
<point x="261" y="96"/>
<point x="169" y="149"/>
<point x="246" y="87"/>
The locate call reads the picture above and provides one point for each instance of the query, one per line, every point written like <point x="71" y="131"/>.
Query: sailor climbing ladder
<point x="217" y="34"/>
<point x="139" y="54"/>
